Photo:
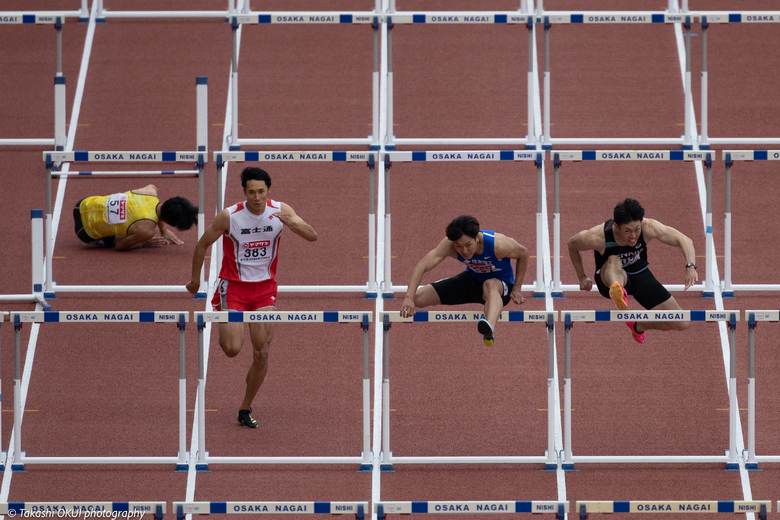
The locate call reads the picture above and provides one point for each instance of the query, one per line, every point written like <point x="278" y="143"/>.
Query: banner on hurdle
<point x="303" y="156"/>
<point x="751" y="155"/>
<point x="466" y="17"/>
<point x="84" y="156"/>
<point x="635" y="155"/>
<point x="632" y="17"/>
<point x="32" y="18"/>
<point x="272" y="508"/>
<point x="671" y="315"/>
<point x="180" y="317"/>
<point x="675" y="506"/>
<point x="204" y="318"/>
<point x="87" y="509"/>
<point x="467" y="155"/>
<point x="471" y="507"/>
<point x="751" y="17"/>
<point x="292" y="17"/>
<point x="468" y="316"/>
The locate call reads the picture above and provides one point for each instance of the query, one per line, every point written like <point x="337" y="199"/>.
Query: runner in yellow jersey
<point x="129" y="220"/>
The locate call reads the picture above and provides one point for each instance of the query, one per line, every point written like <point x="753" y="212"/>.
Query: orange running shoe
<point x="639" y="337"/>
<point x="619" y="295"/>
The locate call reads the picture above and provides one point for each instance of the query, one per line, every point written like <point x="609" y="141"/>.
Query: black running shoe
<point x="484" y="328"/>
<point x="246" y="419"/>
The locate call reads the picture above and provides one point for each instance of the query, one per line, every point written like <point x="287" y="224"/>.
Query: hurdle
<point x="20" y="457"/>
<point x="729" y="156"/>
<point x="762" y="507"/>
<point x="298" y="317"/>
<point x="57" y="19"/>
<point x="308" y="18"/>
<point x="630" y="155"/>
<point x="471" y="156"/>
<point x="358" y="509"/>
<point x="495" y="18"/>
<point x="51" y="158"/>
<point x="75" y="509"/>
<point x="36" y="295"/>
<point x="753" y="318"/>
<point x="221" y="158"/>
<point x="382" y="509"/>
<point x="570" y="317"/>
<point x="550" y="459"/>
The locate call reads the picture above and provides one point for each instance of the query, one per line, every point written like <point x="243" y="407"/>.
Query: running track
<point x="101" y="391"/>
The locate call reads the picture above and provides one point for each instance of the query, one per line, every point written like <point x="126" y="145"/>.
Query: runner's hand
<point x="517" y="295"/>
<point x="586" y="284"/>
<point x="407" y="308"/>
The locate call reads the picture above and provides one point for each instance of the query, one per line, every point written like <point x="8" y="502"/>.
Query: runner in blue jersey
<point x="488" y="278"/>
<point x="620" y="250"/>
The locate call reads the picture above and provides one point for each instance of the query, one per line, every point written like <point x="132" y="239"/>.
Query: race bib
<point x="116" y="208"/>
<point x="255" y="251"/>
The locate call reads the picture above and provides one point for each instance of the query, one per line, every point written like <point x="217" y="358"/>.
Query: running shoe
<point x="486" y="329"/>
<point x="619" y="295"/>
<point x="639" y="337"/>
<point x="246" y="419"/>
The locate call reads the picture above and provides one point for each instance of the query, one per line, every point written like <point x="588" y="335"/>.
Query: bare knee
<point x="260" y="355"/>
<point x="679" y="325"/>
<point x="229" y="349"/>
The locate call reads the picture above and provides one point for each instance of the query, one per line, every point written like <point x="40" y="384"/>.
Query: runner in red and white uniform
<point x="251" y="232"/>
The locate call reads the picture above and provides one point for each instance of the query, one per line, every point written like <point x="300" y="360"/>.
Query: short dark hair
<point x="628" y="211"/>
<point x="179" y="213"/>
<point x="252" y="173"/>
<point x="463" y="225"/>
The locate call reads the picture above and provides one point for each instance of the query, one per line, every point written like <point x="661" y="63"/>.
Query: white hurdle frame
<point x="583" y="507"/>
<point x="707" y="156"/>
<point x="20" y="457"/>
<point x="298" y="317"/>
<point x="570" y="317"/>
<point x="537" y="156"/>
<point x="549" y="459"/>
<point x="369" y="288"/>
<point x="470" y="507"/>
<point x="60" y="135"/>
<point x="753" y="317"/>
<point x="51" y="158"/>
<point x="359" y="509"/>
<point x="37" y="261"/>
<point x="729" y="156"/>
<point x="307" y="18"/>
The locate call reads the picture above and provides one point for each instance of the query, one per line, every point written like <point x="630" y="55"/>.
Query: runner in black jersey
<point x="620" y="250"/>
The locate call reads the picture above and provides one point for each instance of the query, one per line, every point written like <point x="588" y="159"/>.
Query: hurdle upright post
<point x="201" y="143"/>
<point x="704" y="141"/>
<point x="17" y="428"/>
<point x="539" y="291"/>
<point x="48" y="237"/>
<point x="234" y="85"/>
<point x="181" y="465"/>
<point x="38" y="276"/>
<point x="547" y="142"/>
<point x="552" y="390"/>
<point x="200" y="412"/>
<point x="2" y="453"/>
<point x="59" y="94"/>
<point x="557" y="289"/>
<point x="366" y="465"/>
<point x="387" y="463"/>
<point x="375" y="142"/>
<point x="689" y="130"/>
<point x="530" y="137"/>
<point x="566" y="463"/>
<point x="390" y="136"/>
<point x="732" y="464"/>
<point x="709" y="244"/>
<point x="750" y="460"/>
<point x="728" y="291"/>
<point x="388" y="254"/>
<point x="371" y="289"/>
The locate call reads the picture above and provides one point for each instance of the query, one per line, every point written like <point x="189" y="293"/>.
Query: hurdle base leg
<point x="182" y="467"/>
<point x="539" y="295"/>
<point x="728" y="295"/>
<point x="366" y="467"/>
<point x="557" y="295"/>
<point x="707" y="295"/>
<point x="388" y="296"/>
<point x="179" y="512"/>
<point x="386" y="467"/>
<point x="752" y="466"/>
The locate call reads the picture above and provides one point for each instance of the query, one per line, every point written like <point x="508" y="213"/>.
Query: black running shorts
<point x="464" y="288"/>
<point x="643" y="286"/>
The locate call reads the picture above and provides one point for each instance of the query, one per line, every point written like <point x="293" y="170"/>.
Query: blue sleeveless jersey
<point x="486" y="266"/>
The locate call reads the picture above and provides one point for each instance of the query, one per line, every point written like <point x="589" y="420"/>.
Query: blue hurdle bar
<point x="77" y="509"/>
<point x="254" y="508"/>
<point x="570" y="317"/>
<point x="753" y="317"/>
<point x="627" y="155"/>
<point x="550" y="459"/>
<point x="299" y="317"/>
<point x="20" y="457"/>
<point x="471" y="507"/>
<point x="584" y="507"/>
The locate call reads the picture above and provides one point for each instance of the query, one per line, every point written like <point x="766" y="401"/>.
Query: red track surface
<point x="111" y="390"/>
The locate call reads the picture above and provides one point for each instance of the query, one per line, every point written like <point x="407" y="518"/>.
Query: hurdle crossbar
<point x="75" y="509"/>
<point x="470" y="507"/>
<point x="253" y="508"/>
<point x="537" y="156"/>
<point x="547" y="317"/>
<point x="223" y="157"/>
<point x="570" y="317"/>
<point x="753" y="317"/>
<point x="20" y="457"/>
<point x="56" y="157"/>
<point x="707" y="156"/>
<point x="584" y="507"/>
<point x="299" y="317"/>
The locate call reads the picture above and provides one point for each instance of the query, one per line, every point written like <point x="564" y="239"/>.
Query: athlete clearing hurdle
<point x="250" y="232"/>
<point x="620" y="249"/>
<point x="129" y="220"/>
<point x="488" y="277"/>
